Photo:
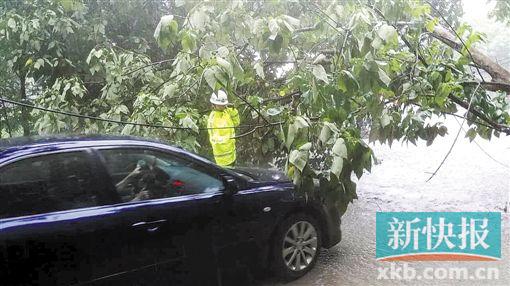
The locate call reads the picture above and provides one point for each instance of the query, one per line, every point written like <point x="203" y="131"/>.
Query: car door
<point x="242" y="218"/>
<point x="163" y="229"/>
<point x="49" y="206"/>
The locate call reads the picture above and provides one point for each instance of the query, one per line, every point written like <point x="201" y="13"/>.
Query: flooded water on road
<point x="468" y="181"/>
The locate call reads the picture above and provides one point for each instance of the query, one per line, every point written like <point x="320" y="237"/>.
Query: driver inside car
<point x="146" y="181"/>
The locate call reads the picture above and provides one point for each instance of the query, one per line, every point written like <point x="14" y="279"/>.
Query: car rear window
<point x="46" y="184"/>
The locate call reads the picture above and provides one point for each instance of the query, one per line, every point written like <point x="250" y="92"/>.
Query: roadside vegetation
<point x="307" y="76"/>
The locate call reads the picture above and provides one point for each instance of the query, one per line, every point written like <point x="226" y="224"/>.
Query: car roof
<point x="20" y="146"/>
<point x="60" y="138"/>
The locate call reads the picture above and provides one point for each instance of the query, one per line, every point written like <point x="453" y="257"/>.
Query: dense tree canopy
<point x="310" y="77"/>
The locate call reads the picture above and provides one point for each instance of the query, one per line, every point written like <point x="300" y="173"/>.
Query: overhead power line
<point x="5" y="100"/>
<point x="458" y="133"/>
<point x="482" y="149"/>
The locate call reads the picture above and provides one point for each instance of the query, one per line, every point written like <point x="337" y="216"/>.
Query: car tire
<point x="296" y="246"/>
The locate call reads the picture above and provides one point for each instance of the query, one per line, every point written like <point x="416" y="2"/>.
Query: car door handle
<point x="147" y="223"/>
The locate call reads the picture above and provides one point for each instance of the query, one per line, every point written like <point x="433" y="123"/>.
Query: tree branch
<point x="494" y="125"/>
<point x="258" y="127"/>
<point x="283" y="98"/>
<point x="404" y="39"/>
<point x="490" y="85"/>
<point x="496" y="71"/>
<point x="458" y="46"/>
<point x="457" y="36"/>
<point x="307" y="29"/>
<point x="251" y="106"/>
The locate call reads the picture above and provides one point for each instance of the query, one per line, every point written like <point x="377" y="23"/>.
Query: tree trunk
<point x="500" y="77"/>
<point x="25" y="113"/>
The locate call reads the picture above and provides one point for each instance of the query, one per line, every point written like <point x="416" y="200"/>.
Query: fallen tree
<point x="306" y="76"/>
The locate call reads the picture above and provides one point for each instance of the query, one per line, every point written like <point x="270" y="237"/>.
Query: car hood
<point x="262" y="175"/>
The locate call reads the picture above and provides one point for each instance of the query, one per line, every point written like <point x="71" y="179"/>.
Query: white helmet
<point x="219" y="98"/>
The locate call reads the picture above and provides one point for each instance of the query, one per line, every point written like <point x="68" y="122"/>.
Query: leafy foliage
<point x="502" y="11"/>
<point x="308" y="78"/>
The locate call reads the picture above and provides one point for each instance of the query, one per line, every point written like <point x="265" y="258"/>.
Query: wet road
<point x="469" y="181"/>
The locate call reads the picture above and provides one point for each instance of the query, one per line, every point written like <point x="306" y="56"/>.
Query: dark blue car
<point x="80" y="210"/>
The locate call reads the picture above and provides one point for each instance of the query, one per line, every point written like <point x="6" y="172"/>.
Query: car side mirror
<point x="230" y="184"/>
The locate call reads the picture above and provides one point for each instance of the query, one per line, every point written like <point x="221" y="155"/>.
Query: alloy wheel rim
<point x="299" y="246"/>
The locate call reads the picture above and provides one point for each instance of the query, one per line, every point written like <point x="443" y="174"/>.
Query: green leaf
<point x="471" y="134"/>
<point x="442" y="130"/>
<point x="92" y="52"/>
<point x="332" y="127"/>
<point x="385" y="119"/>
<point x="188" y="42"/>
<point x="320" y="58"/>
<point x="169" y="90"/>
<point x="11" y="23"/>
<point x="377" y="43"/>
<point x="189" y="123"/>
<point x="290" y="22"/>
<point x="71" y="5"/>
<point x="296" y="178"/>
<point x="357" y="166"/>
<point x="210" y="78"/>
<point x="275" y="46"/>
<point x="39" y="63"/>
<point x="199" y="19"/>
<point x="339" y="149"/>
<point x="274" y="28"/>
<point x="420" y="10"/>
<point x="384" y="77"/>
<point x="123" y="109"/>
<point x="221" y="80"/>
<point x="28" y="62"/>
<point x="259" y="69"/>
<point x="431" y="24"/>
<point x="350" y="80"/>
<point x="337" y="166"/>
<point x="350" y="190"/>
<point x="225" y="65"/>
<point x="367" y="160"/>
<point x="305" y="147"/>
<point x="166" y="31"/>
<point x="66" y="88"/>
<point x="325" y="134"/>
<point x="320" y="73"/>
<point x="127" y="129"/>
<point x="300" y="122"/>
<point x="291" y="134"/>
<point x="298" y="159"/>
<point x="223" y="51"/>
<point x="273" y="111"/>
<point x="341" y="84"/>
<point x="387" y="33"/>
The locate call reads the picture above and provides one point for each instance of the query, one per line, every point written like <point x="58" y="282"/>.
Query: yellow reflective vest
<point x="222" y="140"/>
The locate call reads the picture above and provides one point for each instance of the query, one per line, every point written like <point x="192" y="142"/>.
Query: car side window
<point x="45" y="184"/>
<point x="140" y="174"/>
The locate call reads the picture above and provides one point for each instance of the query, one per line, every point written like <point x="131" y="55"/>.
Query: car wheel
<point x="296" y="246"/>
